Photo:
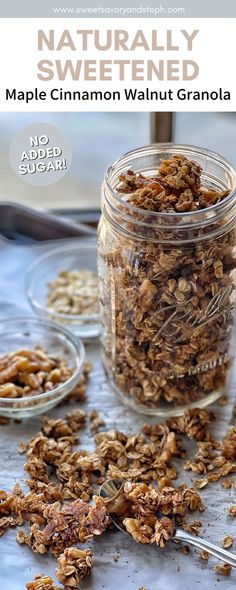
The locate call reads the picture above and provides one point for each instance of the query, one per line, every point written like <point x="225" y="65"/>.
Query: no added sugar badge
<point x="40" y="154"/>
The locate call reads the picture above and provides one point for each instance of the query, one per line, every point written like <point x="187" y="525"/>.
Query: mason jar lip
<point x="181" y="147"/>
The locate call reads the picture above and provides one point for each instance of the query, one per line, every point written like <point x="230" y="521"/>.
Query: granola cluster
<point x="73" y="565"/>
<point x="176" y="188"/>
<point x="147" y="513"/>
<point x="167" y="305"/>
<point x="224" y="569"/>
<point x="209" y="462"/>
<point x="31" y="372"/>
<point x="227" y="542"/>
<point x="74" y="292"/>
<point x="41" y="582"/>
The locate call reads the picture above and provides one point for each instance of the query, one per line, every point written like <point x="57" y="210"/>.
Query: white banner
<point x="117" y="65"/>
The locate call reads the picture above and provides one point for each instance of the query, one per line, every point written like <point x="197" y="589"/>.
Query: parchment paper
<point x="119" y="563"/>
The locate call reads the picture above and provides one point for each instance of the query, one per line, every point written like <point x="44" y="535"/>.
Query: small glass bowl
<point x="79" y="256"/>
<point x="58" y="342"/>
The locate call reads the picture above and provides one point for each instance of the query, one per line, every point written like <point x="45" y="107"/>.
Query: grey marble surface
<point x="118" y="561"/>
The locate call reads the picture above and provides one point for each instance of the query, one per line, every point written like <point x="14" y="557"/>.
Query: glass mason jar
<point x="167" y="288"/>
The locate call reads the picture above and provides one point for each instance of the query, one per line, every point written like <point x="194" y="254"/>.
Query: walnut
<point x="232" y="510"/>
<point x="224" y="569"/>
<point x="140" y="531"/>
<point x="73" y="565"/>
<point x="31" y="372"/>
<point x="227" y="542"/>
<point x="146" y="294"/>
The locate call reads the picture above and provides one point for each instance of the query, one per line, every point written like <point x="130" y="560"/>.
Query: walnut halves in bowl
<point x="40" y="364"/>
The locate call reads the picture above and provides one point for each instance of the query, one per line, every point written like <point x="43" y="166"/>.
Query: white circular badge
<point x="40" y="154"/>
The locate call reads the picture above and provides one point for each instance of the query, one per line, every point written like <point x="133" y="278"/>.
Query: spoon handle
<point x="218" y="552"/>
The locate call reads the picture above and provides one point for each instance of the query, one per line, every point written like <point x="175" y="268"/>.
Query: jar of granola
<point x="166" y="260"/>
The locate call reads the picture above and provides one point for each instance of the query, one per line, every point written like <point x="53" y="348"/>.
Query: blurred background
<point x="98" y="139"/>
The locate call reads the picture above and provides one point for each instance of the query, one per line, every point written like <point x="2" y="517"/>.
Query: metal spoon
<point x="111" y="487"/>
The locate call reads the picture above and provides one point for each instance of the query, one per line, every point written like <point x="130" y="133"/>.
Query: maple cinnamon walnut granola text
<point x="167" y="296"/>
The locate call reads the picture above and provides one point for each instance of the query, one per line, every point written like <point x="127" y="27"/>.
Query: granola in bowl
<point x="167" y="259"/>
<point x="74" y="292"/>
<point x="62" y="285"/>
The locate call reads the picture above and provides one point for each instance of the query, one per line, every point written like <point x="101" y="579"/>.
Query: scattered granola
<point x="232" y="510"/>
<point x="185" y="550"/>
<point x="229" y="444"/>
<point x="224" y="569"/>
<point x="74" y="292"/>
<point x="223" y="400"/>
<point x="96" y="421"/>
<point x="193" y="423"/>
<point x="200" y="483"/>
<point x="42" y="582"/>
<point x="227" y="483"/>
<point x="210" y="462"/>
<point x="227" y="542"/>
<point x="204" y="555"/>
<point x="169" y="318"/>
<point x="73" y="565"/>
<point x="192" y="527"/>
<point x="62" y="481"/>
<point x="4" y="420"/>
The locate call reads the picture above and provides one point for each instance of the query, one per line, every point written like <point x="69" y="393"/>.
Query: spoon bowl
<point x="110" y="489"/>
